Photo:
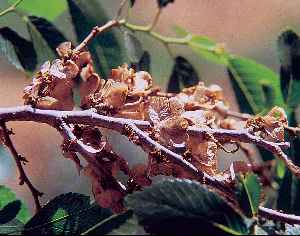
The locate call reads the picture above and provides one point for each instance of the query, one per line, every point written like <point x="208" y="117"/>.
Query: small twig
<point x="23" y="177"/>
<point x="96" y="30"/>
<point x="11" y="8"/>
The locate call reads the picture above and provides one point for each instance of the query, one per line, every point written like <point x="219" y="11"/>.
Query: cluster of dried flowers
<point x="131" y="94"/>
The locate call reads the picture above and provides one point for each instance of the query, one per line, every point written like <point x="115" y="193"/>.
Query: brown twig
<point x="96" y="30"/>
<point x="17" y="157"/>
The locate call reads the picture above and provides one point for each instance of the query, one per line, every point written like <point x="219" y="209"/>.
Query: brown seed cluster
<point x="129" y="94"/>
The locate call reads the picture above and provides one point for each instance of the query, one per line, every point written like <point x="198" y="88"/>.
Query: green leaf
<point x="49" y="9"/>
<point x="183" y="207"/>
<point x="10" y="211"/>
<point x="8" y="51"/>
<point x="6" y="197"/>
<point x="123" y="224"/>
<point x="23" y="54"/>
<point x="183" y="73"/>
<point x="253" y="79"/>
<point x="133" y="46"/>
<point x="41" y="47"/>
<point x="66" y="214"/>
<point x="105" y="49"/>
<point x="208" y="49"/>
<point x="14" y="227"/>
<point x="289" y="55"/>
<point x="249" y="193"/>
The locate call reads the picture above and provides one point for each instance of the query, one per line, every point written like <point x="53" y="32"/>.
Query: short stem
<point x="12" y="8"/>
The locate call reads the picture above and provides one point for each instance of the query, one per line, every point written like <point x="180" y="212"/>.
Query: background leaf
<point x="183" y="73"/>
<point x="132" y="2"/>
<point x="41" y="47"/>
<point x="66" y="214"/>
<point x="289" y="55"/>
<point x="6" y="197"/>
<point x="252" y="78"/>
<point x="49" y="32"/>
<point x="35" y="7"/>
<point x="133" y="46"/>
<point x="8" y="51"/>
<point x="164" y="3"/>
<point x="17" y="50"/>
<point x="183" y="206"/>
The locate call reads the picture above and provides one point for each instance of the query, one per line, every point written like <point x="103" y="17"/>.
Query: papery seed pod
<point x="142" y="81"/>
<point x="114" y="93"/>
<point x="64" y="49"/>
<point x="87" y="72"/>
<point x="215" y="91"/>
<point x="89" y="87"/>
<point x="57" y="69"/>
<point x="70" y="69"/>
<point x="199" y="118"/>
<point x="83" y="59"/>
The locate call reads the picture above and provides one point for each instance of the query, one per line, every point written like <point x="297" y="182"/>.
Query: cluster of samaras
<point x="131" y="94"/>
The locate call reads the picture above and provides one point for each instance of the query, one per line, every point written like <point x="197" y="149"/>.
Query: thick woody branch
<point x="18" y="159"/>
<point x="59" y="120"/>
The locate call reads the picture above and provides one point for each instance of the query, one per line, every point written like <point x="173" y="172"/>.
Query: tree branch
<point x="59" y="120"/>
<point x="275" y="215"/>
<point x="18" y="159"/>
